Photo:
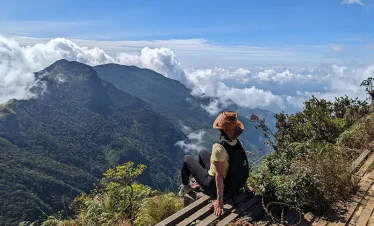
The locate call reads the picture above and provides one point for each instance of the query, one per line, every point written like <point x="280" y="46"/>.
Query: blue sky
<point x="275" y="53"/>
<point x="268" y="23"/>
<point x="304" y="26"/>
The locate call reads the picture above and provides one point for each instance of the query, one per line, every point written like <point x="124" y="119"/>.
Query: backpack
<point x="238" y="171"/>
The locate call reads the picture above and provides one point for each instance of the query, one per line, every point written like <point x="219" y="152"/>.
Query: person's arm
<point x="218" y="204"/>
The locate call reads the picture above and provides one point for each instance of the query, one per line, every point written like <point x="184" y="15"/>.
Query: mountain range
<point x="86" y="119"/>
<point x="173" y="100"/>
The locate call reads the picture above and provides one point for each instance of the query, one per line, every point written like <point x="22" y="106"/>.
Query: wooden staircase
<point x="359" y="210"/>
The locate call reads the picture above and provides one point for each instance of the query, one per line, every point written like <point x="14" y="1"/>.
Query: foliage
<point x="116" y="199"/>
<point x="307" y="167"/>
<point x="320" y="121"/>
<point x="119" y="200"/>
<point x="59" y="144"/>
<point x="157" y="208"/>
<point x="368" y="84"/>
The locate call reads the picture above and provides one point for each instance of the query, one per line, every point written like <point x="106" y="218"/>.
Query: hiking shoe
<point x="184" y="189"/>
<point x="194" y="185"/>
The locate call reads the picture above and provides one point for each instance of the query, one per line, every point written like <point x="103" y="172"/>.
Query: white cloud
<point x="194" y="142"/>
<point x="273" y="88"/>
<point x="17" y="63"/>
<point x="212" y="108"/>
<point x="279" y="88"/>
<point x="202" y="53"/>
<point x="352" y="2"/>
<point x="161" y="60"/>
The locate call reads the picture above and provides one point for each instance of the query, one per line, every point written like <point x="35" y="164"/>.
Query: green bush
<point x="158" y="208"/>
<point x="315" y="177"/>
<point x="307" y="167"/>
<point x="115" y="201"/>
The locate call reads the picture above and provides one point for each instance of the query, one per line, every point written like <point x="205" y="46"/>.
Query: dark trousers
<point x="199" y="170"/>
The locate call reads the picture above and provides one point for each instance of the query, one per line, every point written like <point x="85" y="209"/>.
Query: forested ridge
<point x="57" y="145"/>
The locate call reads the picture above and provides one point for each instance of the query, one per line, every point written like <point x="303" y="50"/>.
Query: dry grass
<point x="157" y="208"/>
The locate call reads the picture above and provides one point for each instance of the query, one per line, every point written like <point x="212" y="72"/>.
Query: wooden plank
<point x="357" y="198"/>
<point x="362" y="203"/>
<point x="320" y="223"/>
<point x="371" y="220"/>
<point x="371" y="176"/>
<point x="229" y="207"/>
<point x="308" y="219"/>
<point x="191" y="197"/>
<point x="185" y="212"/>
<point x="244" y="206"/>
<point x="205" y="210"/>
<point x="365" y="166"/>
<point x="367" y="211"/>
<point x="359" y="160"/>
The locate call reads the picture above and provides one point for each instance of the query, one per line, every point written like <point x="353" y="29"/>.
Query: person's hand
<point x="218" y="207"/>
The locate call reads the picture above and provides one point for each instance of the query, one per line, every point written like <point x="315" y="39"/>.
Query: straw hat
<point x="229" y="123"/>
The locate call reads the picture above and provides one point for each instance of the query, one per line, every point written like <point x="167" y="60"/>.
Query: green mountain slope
<point x="77" y="128"/>
<point x="173" y="100"/>
<point x="167" y="96"/>
<point x="31" y="182"/>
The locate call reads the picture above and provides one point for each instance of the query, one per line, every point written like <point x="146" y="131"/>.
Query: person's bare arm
<point x="218" y="204"/>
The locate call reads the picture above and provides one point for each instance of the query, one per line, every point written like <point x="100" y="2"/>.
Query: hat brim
<point x="216" y="123"/>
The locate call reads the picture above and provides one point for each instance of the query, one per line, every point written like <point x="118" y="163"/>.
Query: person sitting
<point x="223" y="171"/>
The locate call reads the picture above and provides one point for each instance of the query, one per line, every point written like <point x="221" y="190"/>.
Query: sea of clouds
<point x="273" y="88"/>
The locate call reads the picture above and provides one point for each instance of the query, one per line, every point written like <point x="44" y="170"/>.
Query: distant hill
<point x="167" y="96"/>
<point x="55" y="146"/>
<point x="173" y="100"/>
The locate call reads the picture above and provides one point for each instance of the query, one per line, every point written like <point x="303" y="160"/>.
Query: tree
<point x="368" y="83"/>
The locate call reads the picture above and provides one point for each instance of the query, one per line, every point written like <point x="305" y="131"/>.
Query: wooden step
<point x="359" y="160"/>
<point x="368" y="209"/>
<point x="206" y="210"/>
<point x="360" y="212"/>
<point x="239" y="210"/>
<point x="356" y="200"/>
<point x="365" y="166"/>
<point x="371" y="220"/>
<point x="185" y="212"/>
<point x="228" y="208"/>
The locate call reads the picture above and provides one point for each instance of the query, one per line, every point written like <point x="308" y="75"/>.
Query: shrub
<point x="115" y="201"/>
<point x="315" y="176"/>
<point x="158" y="208"/>
<point x="307" y="168"/>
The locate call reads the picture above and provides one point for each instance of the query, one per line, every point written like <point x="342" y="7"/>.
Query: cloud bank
<point x="273" y="88"/>
<point x="17" y="63"/>
<point x="194" y="142"/>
